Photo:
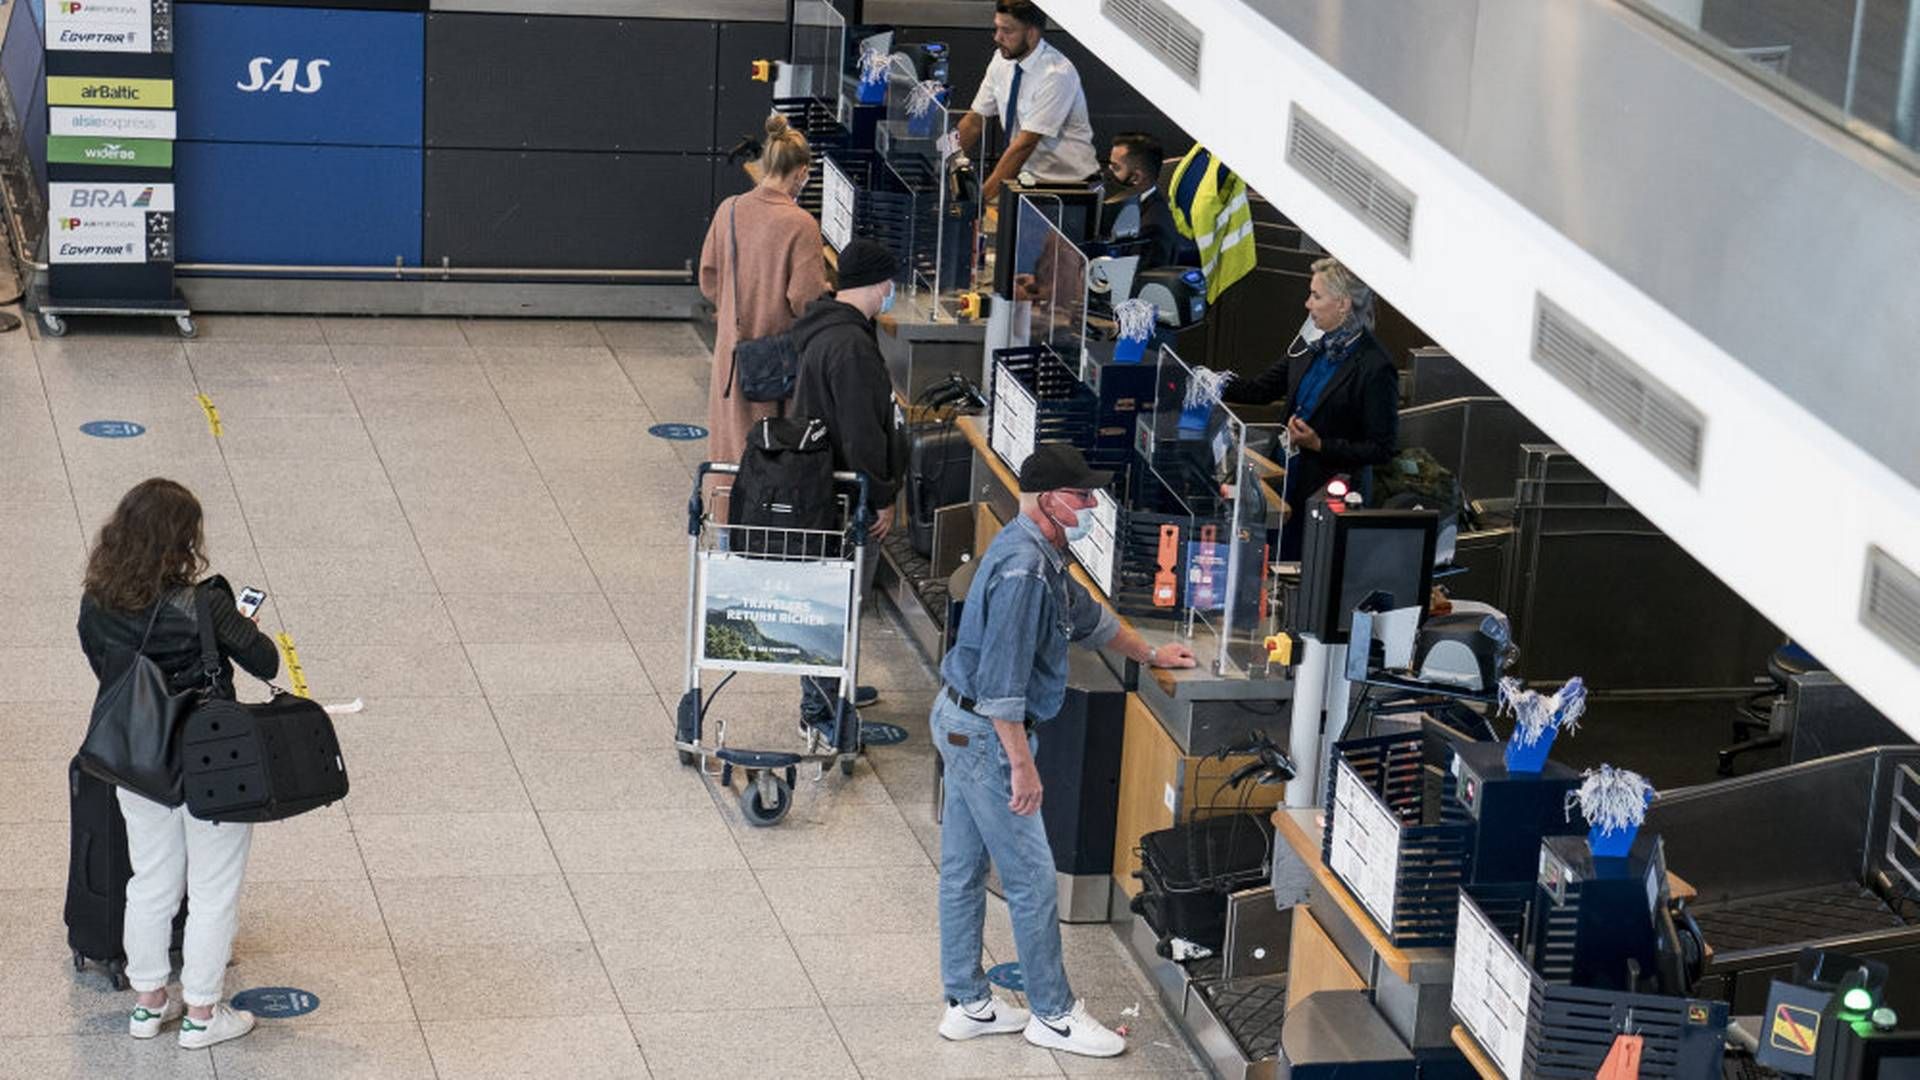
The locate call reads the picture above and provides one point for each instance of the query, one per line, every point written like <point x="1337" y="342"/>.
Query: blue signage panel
<point x="341" y="205"/>
<point x="276" y="1002"/>
<point x="677" y="431"/>
<point x="113" y="429"/>
<point x="872" y="734"/>
<point x="305" y="75"/>
<point x="1008" y="977"/>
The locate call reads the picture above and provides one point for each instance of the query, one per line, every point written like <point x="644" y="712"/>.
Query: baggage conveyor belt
<point x="1818" y="914"/>
<point x="1252" y="1010"/>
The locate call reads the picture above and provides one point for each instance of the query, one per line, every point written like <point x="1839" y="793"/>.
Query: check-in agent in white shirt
<point x="1034" y="92"/>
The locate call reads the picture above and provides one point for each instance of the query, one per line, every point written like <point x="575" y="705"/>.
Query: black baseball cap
<point x="1057" y="465"/>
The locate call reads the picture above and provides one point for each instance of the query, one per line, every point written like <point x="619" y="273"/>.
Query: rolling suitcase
<point x="939" y="472"/>
<point x="98" y="869"/>
<point x="1186" y="873"/>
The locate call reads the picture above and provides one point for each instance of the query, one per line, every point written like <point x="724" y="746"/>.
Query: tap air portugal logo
<point x="289" y="76"/>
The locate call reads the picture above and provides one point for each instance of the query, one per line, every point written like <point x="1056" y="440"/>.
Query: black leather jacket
<point x="174" y="643"/>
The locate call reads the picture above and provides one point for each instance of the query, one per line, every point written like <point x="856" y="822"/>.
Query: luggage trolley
<point x="778" y="600"/>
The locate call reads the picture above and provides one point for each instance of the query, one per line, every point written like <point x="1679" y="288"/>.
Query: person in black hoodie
<point x="142" y="589"/>
<point x="842" y="379"/>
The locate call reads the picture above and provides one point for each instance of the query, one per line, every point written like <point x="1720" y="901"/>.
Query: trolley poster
<point x="766" y="615"/>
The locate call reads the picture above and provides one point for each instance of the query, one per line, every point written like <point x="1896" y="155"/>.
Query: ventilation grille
<point x="1890" y="606"/>
<point x="1344" y="173"/>
<point x="1161" y="31"/>
<point x="1655" y="416"/>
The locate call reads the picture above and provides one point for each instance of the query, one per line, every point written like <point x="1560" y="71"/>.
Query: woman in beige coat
<point x="781" y="270"/>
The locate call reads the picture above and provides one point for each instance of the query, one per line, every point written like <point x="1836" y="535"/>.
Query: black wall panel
<point x="569" y="83"/>
<point x="744" y="104"/>
<point x="568" y="210"/>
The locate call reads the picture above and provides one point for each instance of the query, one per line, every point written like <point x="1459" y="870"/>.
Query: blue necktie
<point x="1013" y="104"/>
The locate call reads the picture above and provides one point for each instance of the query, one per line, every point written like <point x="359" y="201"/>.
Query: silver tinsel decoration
<point x="1136" y="318"/>
<point x="1205" y="387"/>
<point x="926" y="94"/>
<point x="874" y="65"/>
<point x="1612" y="799"/>
<point x="1534" y="714"/>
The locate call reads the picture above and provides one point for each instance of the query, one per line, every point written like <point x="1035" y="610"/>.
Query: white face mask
<point x="1309" y="333"/>
<point x="1082" y="525"/>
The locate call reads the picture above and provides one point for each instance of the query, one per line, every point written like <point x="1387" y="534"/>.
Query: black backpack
<point x="785" y="482"/>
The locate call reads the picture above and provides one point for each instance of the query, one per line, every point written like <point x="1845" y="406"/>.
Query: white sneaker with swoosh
<point x="988" y="1016"/>
<point x="1076" y="1033"/>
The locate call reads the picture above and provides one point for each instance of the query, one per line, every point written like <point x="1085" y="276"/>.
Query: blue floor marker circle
<point x="873" y="734"/>
<point x="1008" y="977"/>
<point x="112" y="429"/>
<point x="677" y="431"/>
<point x="276" y="1002"/>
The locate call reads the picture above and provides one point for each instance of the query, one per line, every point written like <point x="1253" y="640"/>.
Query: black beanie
<point x="866" y="262"/>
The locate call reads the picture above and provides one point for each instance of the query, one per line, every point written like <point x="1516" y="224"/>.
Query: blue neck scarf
<point x="1328" y="353"/>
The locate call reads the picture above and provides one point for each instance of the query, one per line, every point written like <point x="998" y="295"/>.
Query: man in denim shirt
<point x="1006" y="672"/>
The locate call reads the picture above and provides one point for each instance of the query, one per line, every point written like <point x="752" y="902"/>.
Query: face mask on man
<point x="886" y="305"/>
<point x="1082" y="525"/>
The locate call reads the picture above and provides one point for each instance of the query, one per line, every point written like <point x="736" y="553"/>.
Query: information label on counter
<point x="1366" y="845"/>
<point x="1492" y="990"/>
<point x="836" y="205"/>
<point x="115" y="26"/>
<point x="112" y="123"/>
<point x="1095" y="550"/>
<point x="1014" y="413"/>
<point x="110" y="223"/>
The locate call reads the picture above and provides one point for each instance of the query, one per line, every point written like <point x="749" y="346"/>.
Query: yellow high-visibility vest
<point x="1210" y="207"/>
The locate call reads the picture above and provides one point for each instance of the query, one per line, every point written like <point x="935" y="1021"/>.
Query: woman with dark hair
<point x="143" y="584"/>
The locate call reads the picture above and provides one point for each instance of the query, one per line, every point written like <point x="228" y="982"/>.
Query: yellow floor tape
<point x="213" y="415"/>
<point x="294" y="674"/>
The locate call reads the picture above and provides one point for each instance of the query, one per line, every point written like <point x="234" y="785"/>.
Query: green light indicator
<point x="1857" y="1000"/>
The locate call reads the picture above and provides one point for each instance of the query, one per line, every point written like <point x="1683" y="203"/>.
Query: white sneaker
<point x="1076" y="1033"/>
<point x="225" y="1023"/>
<point x="988" y="1016"/>
<point x="146" y="1023"/>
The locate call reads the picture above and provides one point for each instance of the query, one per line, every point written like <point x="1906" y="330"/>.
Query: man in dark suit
<point x="1133" y="170"/>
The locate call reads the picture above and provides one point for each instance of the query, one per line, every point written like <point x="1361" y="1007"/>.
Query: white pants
<point x="175" y="854"/>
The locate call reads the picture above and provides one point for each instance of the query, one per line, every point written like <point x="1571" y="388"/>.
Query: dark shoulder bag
<point x="764" y="366"/>
<point x="259" y="761"/>
<point x="133" y="737"/>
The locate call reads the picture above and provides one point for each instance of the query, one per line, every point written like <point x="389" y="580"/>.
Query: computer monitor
<point x="1348" y="554"/>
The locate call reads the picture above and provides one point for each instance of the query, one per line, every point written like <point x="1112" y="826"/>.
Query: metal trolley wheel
<point x="767" y="797"/>
<point x="184" y="323"/>
<point x="54" y="325"/>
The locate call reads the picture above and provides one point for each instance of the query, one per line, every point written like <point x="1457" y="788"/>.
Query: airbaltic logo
<point x="286" y="77"/>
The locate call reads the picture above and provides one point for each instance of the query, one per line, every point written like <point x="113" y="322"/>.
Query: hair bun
<point x="777" y="125"/>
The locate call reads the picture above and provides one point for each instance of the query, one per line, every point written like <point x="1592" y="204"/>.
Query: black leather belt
<point x="968" y="703"/>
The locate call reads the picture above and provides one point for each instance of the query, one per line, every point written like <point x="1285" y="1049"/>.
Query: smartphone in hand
<point x="250" y="601"/>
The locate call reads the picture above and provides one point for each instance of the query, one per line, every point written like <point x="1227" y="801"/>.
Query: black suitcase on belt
<point x="98" y="869"/>
<point x="939" y="470"/>
<point x="1186" y="873"/>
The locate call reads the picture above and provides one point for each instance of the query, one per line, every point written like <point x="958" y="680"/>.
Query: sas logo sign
<point x="289" y="76"/>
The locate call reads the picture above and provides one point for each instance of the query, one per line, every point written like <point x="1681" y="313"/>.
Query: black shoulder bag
<point x="133" y="737"/>
<point x="259" y="762"/>
<point x="764" y="366"/>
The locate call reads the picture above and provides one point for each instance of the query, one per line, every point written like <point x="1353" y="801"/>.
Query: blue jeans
<point x="975" y="825"/>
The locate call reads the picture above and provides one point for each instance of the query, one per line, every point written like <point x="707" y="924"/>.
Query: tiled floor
<point x="466" y="524"/>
